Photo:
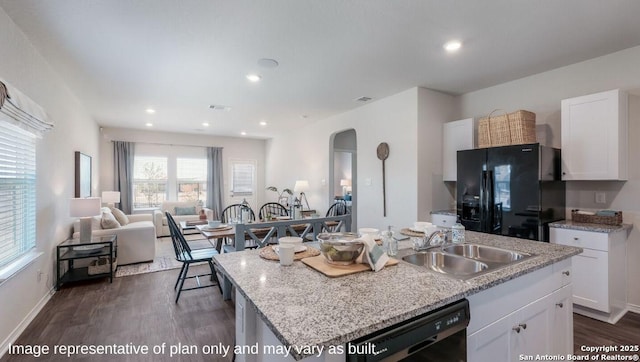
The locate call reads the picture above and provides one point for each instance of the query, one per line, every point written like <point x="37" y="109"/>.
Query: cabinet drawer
<point x="580" y="238"/>
<point x="562" y="273"/>
<point x="443" y="220"/>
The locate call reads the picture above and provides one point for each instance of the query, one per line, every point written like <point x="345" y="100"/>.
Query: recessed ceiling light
<point x="149" y="124"/>
<point x="151" y="110"/>
<point x="452" y="46"/>
<point x="253" y="77"/>
<point x="205" y="124"/>
<point x="243" y="133"/>
<point x="263" y="123"/>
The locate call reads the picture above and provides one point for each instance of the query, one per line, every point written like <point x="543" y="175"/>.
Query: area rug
<point x="165" y="257"/>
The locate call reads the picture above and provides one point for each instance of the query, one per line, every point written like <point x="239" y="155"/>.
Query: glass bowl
<point x="340" y="248"/>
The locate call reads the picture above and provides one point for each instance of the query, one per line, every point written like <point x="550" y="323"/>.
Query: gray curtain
<point x="215" y="181"/>
<point x="123" y="153"/>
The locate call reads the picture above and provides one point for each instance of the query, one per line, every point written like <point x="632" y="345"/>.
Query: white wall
<point x="174" y="144"/>
<point x="542" y="94"/>
<point x="304" y="154"/>
<point x="23" y="67"/>
<point x="434" y="109"/>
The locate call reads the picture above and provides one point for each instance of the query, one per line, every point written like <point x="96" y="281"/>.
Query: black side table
<point x="72" y="249"/>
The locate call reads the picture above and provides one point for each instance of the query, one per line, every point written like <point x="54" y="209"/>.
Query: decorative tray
<point x="88" y="249"/>
<point x="270" y="254"/>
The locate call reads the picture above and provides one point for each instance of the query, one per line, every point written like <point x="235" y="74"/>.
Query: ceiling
<point x="121" y="57"/>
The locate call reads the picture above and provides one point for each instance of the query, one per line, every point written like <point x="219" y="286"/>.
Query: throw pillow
<point x="186" y="210"/>
<point x="109" y="221"/>
<point x="120" y="216"/>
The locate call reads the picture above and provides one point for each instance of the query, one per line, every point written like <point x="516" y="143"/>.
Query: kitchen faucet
<point x="435" y="239"/>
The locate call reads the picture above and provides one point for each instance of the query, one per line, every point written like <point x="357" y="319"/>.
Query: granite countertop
<point x="445" y="212"/>
<point x="600" y="228"/>
<point x="303" y="307"/>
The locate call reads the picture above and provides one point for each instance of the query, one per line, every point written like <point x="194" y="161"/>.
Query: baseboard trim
<point x="633" y="308"/>
<point x="4" y="347"/>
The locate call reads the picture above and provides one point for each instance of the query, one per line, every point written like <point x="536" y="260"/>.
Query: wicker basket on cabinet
<point x="597" y="219"/>
<point x="514" y="128"/>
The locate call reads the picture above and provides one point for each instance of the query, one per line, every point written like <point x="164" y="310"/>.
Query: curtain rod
<point x="167" y="144"/>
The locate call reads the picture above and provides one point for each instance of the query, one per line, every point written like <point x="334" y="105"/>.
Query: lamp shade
<point x="110" y="197"/>
<point x="345" y="182"/>
<point x="84" y="207"/>
<point x="301" y="186"/>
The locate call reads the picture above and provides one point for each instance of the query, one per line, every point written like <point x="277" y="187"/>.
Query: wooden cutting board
<point x="320" y="264"/>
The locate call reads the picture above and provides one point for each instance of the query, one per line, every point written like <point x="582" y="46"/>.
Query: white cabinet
<point x="457" y="135"/>
<point x="600" y="277"/>
<point x="594" y="137"/>
<point x="544" y="326"/>
<point x="561" y="318"/>
<point x="530" y="315"/>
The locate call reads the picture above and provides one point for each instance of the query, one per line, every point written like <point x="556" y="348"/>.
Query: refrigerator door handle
<point x="487" y="203"/>
<point x="491" y="201"/>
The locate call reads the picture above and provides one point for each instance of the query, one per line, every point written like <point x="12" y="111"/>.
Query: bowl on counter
<point x="340" y="248"/>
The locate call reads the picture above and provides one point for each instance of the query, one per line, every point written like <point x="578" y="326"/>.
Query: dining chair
<point x="186" y="256"/>
<point x="233" y="213"/>
<point x="271" y="210"/>
<point x="230" y="214"/>
<point x="337" y="209"/>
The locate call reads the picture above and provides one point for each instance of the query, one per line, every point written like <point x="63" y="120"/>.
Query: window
<point x="149" y="181"/>
<point x="17" y="192"/>
<point x="242" y="178"/>
<point x="192" y="179"/>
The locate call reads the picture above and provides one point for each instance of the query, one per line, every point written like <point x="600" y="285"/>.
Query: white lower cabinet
<point x="543" y="326"/>
<point x="562" y="317"/>
<point x="600" y="282"/>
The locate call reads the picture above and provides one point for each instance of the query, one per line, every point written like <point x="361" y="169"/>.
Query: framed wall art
<point x="83" y="175"/>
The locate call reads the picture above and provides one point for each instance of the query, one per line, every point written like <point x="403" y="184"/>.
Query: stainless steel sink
<point x="446" y="263"/>
<point x="485" y="253"/>
<point x="463" y="261"/>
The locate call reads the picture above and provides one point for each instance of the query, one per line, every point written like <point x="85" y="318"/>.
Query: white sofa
<point x="160" y="219"/>
<point x="136" y="240"/>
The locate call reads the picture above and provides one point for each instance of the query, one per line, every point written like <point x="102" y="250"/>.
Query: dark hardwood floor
<point x="137" y="309"/>
<point x="590" y="332"/>
<point x="140" y="310"/>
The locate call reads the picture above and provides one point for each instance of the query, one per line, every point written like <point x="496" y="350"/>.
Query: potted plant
<point x="282" y="199"/>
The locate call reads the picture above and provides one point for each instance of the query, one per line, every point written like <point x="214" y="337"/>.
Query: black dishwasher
<point x="440" y="335"/>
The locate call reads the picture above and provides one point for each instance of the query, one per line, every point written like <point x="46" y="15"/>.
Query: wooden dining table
<point x="216" y="237"/>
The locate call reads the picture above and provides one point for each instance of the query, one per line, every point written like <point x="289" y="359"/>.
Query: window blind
<point x="17" y="192"/>
<point x="242" y="179"/>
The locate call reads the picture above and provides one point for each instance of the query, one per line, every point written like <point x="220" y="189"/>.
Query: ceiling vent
<point x="219" y="107"/>
<point x="363" y="99"/>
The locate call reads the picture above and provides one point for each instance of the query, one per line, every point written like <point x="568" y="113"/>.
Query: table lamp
<point x="111" y="197"/>
<point x="84" y="208"/>
<point x="345" y="183"/>
<point x="300" y="187"/>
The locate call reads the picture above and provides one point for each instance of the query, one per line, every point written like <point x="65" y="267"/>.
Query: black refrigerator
<point x="512" y="190"/>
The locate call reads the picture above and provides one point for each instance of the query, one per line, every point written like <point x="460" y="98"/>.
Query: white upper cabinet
<point x="594" y="137"/>
<point x="457" y="135"/>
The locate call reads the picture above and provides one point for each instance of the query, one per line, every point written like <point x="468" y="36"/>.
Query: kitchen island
<point x="296" y="306"/>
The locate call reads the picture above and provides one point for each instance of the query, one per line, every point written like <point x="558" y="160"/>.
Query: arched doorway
<point x="343" y="171"/>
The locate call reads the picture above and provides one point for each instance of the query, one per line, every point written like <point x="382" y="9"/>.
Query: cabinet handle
<point x="517" y="329"/>
<point x="566" y="272"/>
<point x="559" y="305"/>
<point x="564" y="173"/>
<point x="523" y="325"/>
<point x="576" y="238"/>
